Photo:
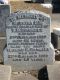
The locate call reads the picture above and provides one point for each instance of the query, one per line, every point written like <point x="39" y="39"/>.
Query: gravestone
<point x="4" y="13"/>
<point x="28" y="40"/>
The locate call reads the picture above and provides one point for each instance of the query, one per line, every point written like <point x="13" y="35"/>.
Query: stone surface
<point x="4" y="12"/>
<point x="28" y="6"/>
<point x="2" y="45"/>
<point x="5" y="72"/>
<point x="54" y="71"/>
<point x="18" y="67"/>
<point x="28" y="40"/>
<point x="56" y="31"/>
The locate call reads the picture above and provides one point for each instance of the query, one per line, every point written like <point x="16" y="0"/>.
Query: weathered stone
<point x="2" y="45"/>
<point x="5" y="72"/>
<point x="28" y="40"/>
<point x="4" y="13"/>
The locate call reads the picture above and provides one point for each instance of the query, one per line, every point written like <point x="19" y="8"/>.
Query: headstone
<point x="4" y="13"/>
<point x="5" y="72"/>
<point x="4" y="1"/>
<point x="56" y="31"/>
<point x="28" y="40"/>
<point x="1" y="2"/>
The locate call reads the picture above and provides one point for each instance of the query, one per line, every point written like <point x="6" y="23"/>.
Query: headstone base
<point x="17" y="67"/>
<point x="5" y="72"/>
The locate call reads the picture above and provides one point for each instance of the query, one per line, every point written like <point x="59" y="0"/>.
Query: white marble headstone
<point x="28" y="40"/>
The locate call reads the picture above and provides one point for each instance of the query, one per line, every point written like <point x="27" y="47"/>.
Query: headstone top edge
<point x="33" y="12"/>
<point x="40" y="12"/>
<point x="4" y="4"/>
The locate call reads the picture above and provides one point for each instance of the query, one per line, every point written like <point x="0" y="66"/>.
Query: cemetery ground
<point x="32" y="75"/>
